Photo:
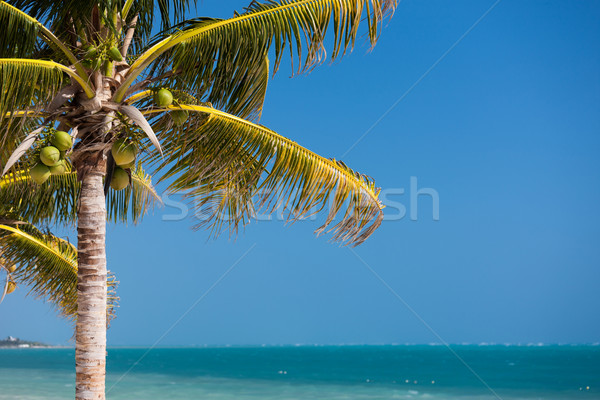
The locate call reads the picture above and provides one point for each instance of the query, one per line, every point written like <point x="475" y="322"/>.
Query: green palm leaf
<point x="17" y="99"/>
<point x="23" y="30"/>
<point x="221" y="161"/>
<point x="213" y="57"/>
<point x="61" y="14"/>
<point x="44" y="79"/>
<point x="48" y="265"/>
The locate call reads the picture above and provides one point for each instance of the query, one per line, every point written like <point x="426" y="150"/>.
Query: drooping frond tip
<point x="366" y="212"/>
<point x="221" y="163"/>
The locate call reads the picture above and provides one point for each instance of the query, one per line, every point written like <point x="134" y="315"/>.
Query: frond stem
<point x="138" y="96"/>
<point x="129" y="36"/>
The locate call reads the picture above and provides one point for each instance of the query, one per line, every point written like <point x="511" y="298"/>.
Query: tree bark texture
<point x="90" y="334"/>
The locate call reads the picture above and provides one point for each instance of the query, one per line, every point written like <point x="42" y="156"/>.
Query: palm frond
<point x="48" y="265"/>
<point x="221" y="161"/>
<point x="59" y="15"/>
<point x="242" y="94"/>
<point x="44" y="79"/>
<point x="55" y="201"/>
<point x="20" y="32"/>
<point x="213" y="57"/>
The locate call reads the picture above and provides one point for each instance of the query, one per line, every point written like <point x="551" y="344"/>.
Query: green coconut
<point x="163" y="98"/>
<point x="10" y="287"/>
<point x="123" y="152"/>
<point x="107" y="68"/>
<point x="58" y="169"/>
<point x="40" y="173"/>
<point x="114" y="54"/>
<point x="120" y="179"/>
<point x="91" y="51"/>
<point x="50" y="156"/>
<point x="179" y="117"/>
<point x="61" y="140"/>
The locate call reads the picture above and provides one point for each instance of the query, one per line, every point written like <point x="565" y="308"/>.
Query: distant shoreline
<point x="45" y="346"/>
<point x="16" y="343"/>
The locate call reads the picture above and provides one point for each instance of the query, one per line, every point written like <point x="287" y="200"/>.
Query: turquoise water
<point x="315" y="372"/>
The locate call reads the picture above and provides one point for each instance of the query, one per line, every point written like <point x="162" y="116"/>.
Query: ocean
<point x="315" y="372"/>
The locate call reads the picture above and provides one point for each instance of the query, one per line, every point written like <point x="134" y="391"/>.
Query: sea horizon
<point x="253" y="345"/>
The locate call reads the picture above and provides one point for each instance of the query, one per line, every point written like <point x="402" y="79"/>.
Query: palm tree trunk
<point x="90" y="334"/>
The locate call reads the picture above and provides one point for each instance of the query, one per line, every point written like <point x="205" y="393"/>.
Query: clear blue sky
<point x="506" y="129"/>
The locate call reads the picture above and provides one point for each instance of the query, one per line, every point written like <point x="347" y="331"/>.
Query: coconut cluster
<point x="96" y="55"/>
<point x="164" y="98"/>
<point x="123" y="152"/>
<point x="51" y="159"/>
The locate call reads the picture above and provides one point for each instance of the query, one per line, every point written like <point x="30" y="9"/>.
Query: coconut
<point x="58" y="169"/>
<point x="114" y="54"/>
<point x="11" y="268"/>
<point x="50" y="156"/>
<point x="91" y="51"/>
<point x="163" y="98"/>
<point x="179" y="117"/>
<point x="61" y="140"/>
<point x="40" y="173"/>
<point x="10" y="287"/>
<point x="123" y="151"/>
<point x="120" y="179"/>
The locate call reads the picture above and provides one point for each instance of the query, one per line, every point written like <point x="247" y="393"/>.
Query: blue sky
<point x="505" y="129"/>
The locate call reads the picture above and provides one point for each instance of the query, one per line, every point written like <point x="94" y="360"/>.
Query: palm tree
<point x="186" y="102"/>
